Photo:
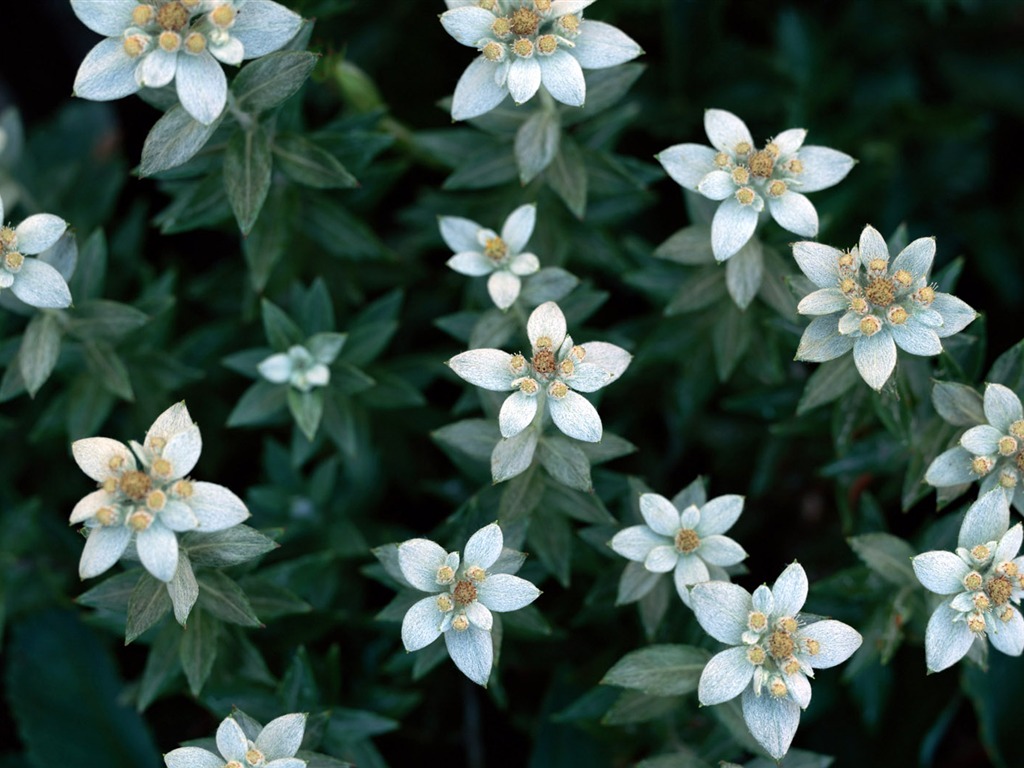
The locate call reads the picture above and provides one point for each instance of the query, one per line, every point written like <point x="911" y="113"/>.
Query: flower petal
<point x="517" y="413"/>
<point x="483" y="547"/>
<point x="611" y="357"/>
<point x="202" y="87"/>
<point x="192" y="757"/>
<point x="230" y="51"/>
<point x="523" y="79"/>
<point x="421" y="624"/>
<point x="503" y="288"/>
<point x="90" y="504"/>
<point x="601" y="45"/>
<point x="718" y="515"/>
<point x="659" y="514"/>
<point x="940" y="572"/>
<point x="789" y="592"/>
<point x="106" y="73"/>
<point x="487" y="368"/>
<point x="661" y="559"/>
<point x="576" y="417"/>
<point x="823" y="167"/>
<point x="1002" y="407"/>
<point x="39" y="232"/>
<point x="687" y="164"/>
<point x="721" y="550"/>
<point x="518" y="227"/>
<point x="772" y="722"/>
<point x="1007" y="636"/>
<point x="795" y="213"/>
<point x="468" y="25"/>
<point x="479" y="615"/>
<point x="95" y="454"/>
<point x="503" y="592"/>
<point x="103" y="548"/>
<point x="916" y="258"/>
<point x="690" y="570"/>
<point x="636" y="542"/>
<point x="875" y="357"/>
<point x="173" y="420"/>
<point x="109" y="18"/>
<point x="264" y="26"/>
<point x="216" y="507"/>
<point x="823" y="301"/>
<point x="721" y="609"/>
<point x="732" y="227"/>
<point x="524" y="264"/>
<point x="282" y="736"/>
<point x="182" y="451"/>
<point x="982" y="440"/>
<point x="588" y="377"/>
<point x="277" y="369"/>
<point x="947" y="639"/>
<point x="956" y="314"/>
<point x="1009" y="544"/>
<point x="459" y="234"/>
<point x="158" y="550"/>
<point x="986" y="520"/>
<point x="717" y="185"/>
<point x="157" y="68"/>
<point x="40" y="285"/>
<point x="790" y="140"/>
<point x="915" y="338"/>
<point x="836" y="642"/>
<point x="563" y="78"/>
<point x="419" y="560"/>
<point x="231" y="740"/>
<point x="726" y="131"/>
<point x="799" y="689"/>
<point x="548" y="322"/>
<point x="178" y="516"/>
<point x="822" y="341"/>
<point x="725" y="676"/>
<point x="952" y="467"/>
<point x="477" y="92"/>
<point x="819" y="262"/>
<point x="472" y="651"/>
<point x="872" y="246"/>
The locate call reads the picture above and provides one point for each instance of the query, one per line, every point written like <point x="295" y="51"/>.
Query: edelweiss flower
<point x="743" y="178"/>
<point x="993" y="451"/>
<point x="463" y="594"/>
<point x="272" y="747"/>
<point x="555" y="369"/>
<point x="480" y="251"/>
<point x="526" y="43"/>
<point x="150" y="44"/>
<point x="984" y="581"/>
<point x="149" y="504"/>
<point x="773" y="655"/>
<point x="689" y="543"/>
<point x="33" y="281"/>
<point x="300" y="367"/>
<point x="875" y="309"/>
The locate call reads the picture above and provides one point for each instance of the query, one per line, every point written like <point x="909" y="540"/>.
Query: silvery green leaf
<point x="493" y="329"/>
<point x="248" y="164"/>
<point x="474" y="437"/>
<point x="958" y="404"/>
<point x="271" y="80"/>
<point x="689" y="245"/>
<point x="307" y="409"/>
<point x="548" y="284"/>
<point x="701" y="289"/>
<point x="536" y="144"/>
<point x="220" y="596"/>
<point x="565" y="461"/>
<point x="161" y="666"/>
<point x="887" y="555"/>
<point x="636" y="581"/>
<point x="108" y="366"/>
<point x="730" y="338"/>
<point x="198" y="650"/>
<point x="102" y="319"/>
<point x="111" y="594"/>
<point x="637" y="707"/>
<point x="231" y="546"/>
<point x="282" y="332"/>
<point x="147" y="604"/>
<point x="310" y="164"/>
<point x="513" y="455"/>
<point x="567" y="176"/>
<point x="550" y="538"/>
<point x="174" y="140"/>
<point x="40" y="348"/>
<point x="605" y="87"/>
<point x="258" y="403"/>
<point x="659" y="670"/>
<point x="611" y="447"/>
<point x="520" y="497"/>
<point x="183" y="588"/>
<point x="830" y="381"/>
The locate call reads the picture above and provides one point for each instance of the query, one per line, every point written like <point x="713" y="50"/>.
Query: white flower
<point x="744" y="178"/>
<point x="866" y="304"/>
<point x="983" y="582"/>
<point x="464" y="592"/>
<point x="556" y="370"/>
<point x="480" y="251"/>
<point x="272" y="747"/>
<point x="150" y="44"/>
<point x="689" y="543"/>
<point x="524" y="44"/>
<point x="298" y="367"/>
<point x="773" y="653"/>
<point x="33" y="281"/>
<point x="993" y="451"/>
<point x="152" y="503"/>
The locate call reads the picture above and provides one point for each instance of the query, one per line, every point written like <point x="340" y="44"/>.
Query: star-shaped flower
<point x="524" y="44"/>
<point x="301" y="367"/>
<point x="688" y="543"/>
<point x="480" y="251"/>
<point x="982" y="581"/>
<point x="147" y="498"/>
<point x="149" y="45"/>
<point x="272" y="747"/>
<point x="992" y="452"/>
<point x="745" y="178"/>
<point x="555" y="373"/>
<point x="33" y="281"/>
<point x="773" y="652"/>
<point x="464" y="592"/>
<point x="866" y="304"/>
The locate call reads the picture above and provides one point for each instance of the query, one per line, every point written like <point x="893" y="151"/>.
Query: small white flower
<point x="298" y="367"/>
<point x="745" y="178"/>
<point x="146" y="496"/>
<point x="982" y="581"/>
<point x="555" y="372"/>
<point x="773" y="653"/>
<point x="149" y="45"/>
<point x="272" y="747"/>
<point x="524" y="44"/>
<point x="866" y="304"/>
<point x="33" y="281"/>
<point x="480" y="251"/>
<point x="688" y="543"/>
<point x="464" y="592"/>
<point x="993" y="451"/>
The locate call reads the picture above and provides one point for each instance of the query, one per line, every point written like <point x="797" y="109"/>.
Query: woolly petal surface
<point x="231" y="51"/>
<point x="661" y="559"/>
<point x="986" y="520"/>
<point x="636" y="542"/>
<point x="103" y="548"/>
<point x="503" y="592"/>
<point x="517" y="413"/>
<point x="231" y="740"/>
<point x="282" y="736"/>
<point x="717" y="185"/>
<point x="477" y="93"/>
<point x="217" y="507"/>
<point x="1009" y="544"/>
<point x="1007" y="636"/>
<point x="503" y="288"/>
<point x="836" y="642"/>
<point x="956" y="314"/>
<point x="524" y="264"/>
<point x="264" y="26"/>
<point x="725" y="676"/>
<point x="915" y="338"/>
<point x="790" y="140"/>
<point x="819" y="262"/>
<point x="479" y="615"/>
<point x="660" y="514"/>
<point x="472" y="652"/>
<point x="946" y="640"/>
<point x="483" y="547"/>
<point x="1002" y="407"/>
<point x="487" y="368"/>
<point x="524" y="76"/>
<point x="202" y="87"/>
<point x="940" y="572"/>
<point x="472" y="263"/>
<point x="88" y="506"/>
<point x="790" y="590"/>
<point x="916" y="258"/>
<point x="422" y="623"/>
<point x="178" y="516"/>
<point x="611" y="357"/>
<point x="722" y="610"/>
<point x="173" y="420"/>
<point x="192" y="757"/>
<point x="719" y="515"/>
<point x="952" y="467"/>
<point x="518" y="227"/>
<point x="687" y="164"/>
<point x="772" y="722"/>
<point x="94" y="454"/>
<point x="875" y="357"/>
<point x="601" y="45"/>
<point x="576" y="417"/>
<point x="468" y="25"/>
<point x="732" y="227"/>
<point x="182" y="451"/>
<point x="40" y="285"/>
<point x="106" y="73"/>
<point x="546" y="321"/>
<point x="39" y="232"/>
<point x="763" y="601"/>
<point x="982" y="440"/>
<point x="109" y="18"/>
<point x="823" y="301"/>
<point x="822" y="341"/>
<point x="563" y="78"/>
<point x="799" y="689"/>
<point x="419" y="560"/>
<point x="690" y="570"/>
<point x="725" y="130"/>
<point x="823" y="167"/>
<point x="459" y="234"/>
<point x="158" y="550"/>
<point x="721" y="550"/>
<point x="794" y="213"/>
<point x="277" y="369"/>
<point x="872" y="246"/>
<point x="157" y="68"/>
<point x="588" y="377"/>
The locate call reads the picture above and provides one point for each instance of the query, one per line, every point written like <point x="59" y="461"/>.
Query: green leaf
<point x="174" y="140"/>
<point x="40" y="348"/>
<point x="282" y="332"/>
<point x="64" y="692"/>
<point x="310" y="164"/>
<point x="659" y="670"/>
<point x="475" y="438"/>
<point x="87" y="281"/>
<point x="147" y="604"/>
<point x="248" y="164"/>
<point x="521" y="495"/>
<point x="198" y="649"/>
<point x="109" y="369"/>
<point x="548" y="284"/>
<point x="536" y="143"/>
<point x="690" y="245"/>
<point x="886" y="555"/>
<point x="829" y="382"/>
<point x="232" y="546"/>
<point x="113" y="593"/>
<point x="636" y="707"/>
<point x="567" y="176"/>
<point x="490" y="167"/>
<point x="271" y="80"/>
<point x="268" y="238"/>
<point x="565" y="462"/>
<point x="269" y="601"/>
<point x="258" y="403"/>
<point x="550" y="538"/>
<point x="605" y="88"/>
<point x="220" y="596"/>
<point x="162" y="663"/>
<point x="307" y="409"/>
<point x="702" y="288"/>
<point x="513" y="455"/>
<point x="958" y="404"/>
<point x="182" y="588"/>
<point x="102" y="319"/>
<point x="743" y="272"/>
<point x="730" y="337"/>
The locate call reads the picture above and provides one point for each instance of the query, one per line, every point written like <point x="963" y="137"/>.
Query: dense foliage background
<point x="926" y="95"/>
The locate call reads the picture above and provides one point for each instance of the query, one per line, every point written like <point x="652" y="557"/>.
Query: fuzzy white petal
<point x="281" y="737"/>
<point x="472" y="651"/>
<point x="158" y="550"/>
<point x="601" y="45"/>
<point x="40" y="285"/>
<point x="722" y="609"/>
<point x="795" y="213"/>
<point x="726" y="130"/>
<point x="487" y="368"/>
<point x="103" y="548"/>
<point x="732" y="227"/>
<point x="659" y="514"/>
<point x="916" y="258"/>
<point x="836" y="642"/>
<point x="823" y="167"/>
<point x="790" y="590"/>
<point x="477" y="91"/>
<point x="202" y="87"/>
<point x="39" y="232"/>
<point x="721" y="550"/>
<point x="725" y="676"/>
<point x="419" y="560"/>
<point x="483" y="547"/>
<point x="772" y="722"/>
<point x="915" y="338"/>
<point x="264" y="26"/>
<point x="819" y="262"/>
<point x="687" y="164"/>
<point x="987" y="519"/>
<point x="94" y="455"/>
<point x="106" y="73"/>
<point x="636" y="542"/>
<point x="503" y="288"/>
<point x="1002" y="407"/>
<point x="952" y="467"/>
<point x="468" y="25"/>
<point x="946" y="639"/>
<point x="940" y="572"/>
<point x="517" y="413"/>
<point x="503" y="592"/>
<point x="875" y="357"/>
<point x="216" y="507"/>
<point x="524" y="77"/>
<point x="576" y="417"/>
<point x="563" y="78"/>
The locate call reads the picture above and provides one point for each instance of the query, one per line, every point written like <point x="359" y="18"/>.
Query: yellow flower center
<point x="464" y="593"/>
<point x="524" y="21"/>
<point x="881" y="292"/>
<point x="135" y="484"/>
<point x="762" y="164"/>
<point x="686" y="540"/>
<point x="172" y="16"/>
